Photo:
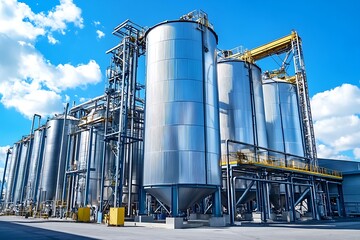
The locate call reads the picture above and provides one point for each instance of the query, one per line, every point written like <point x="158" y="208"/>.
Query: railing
<point x="238" y="158"/>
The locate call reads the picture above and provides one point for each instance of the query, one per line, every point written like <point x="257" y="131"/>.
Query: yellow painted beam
<point x="275" y="47"/>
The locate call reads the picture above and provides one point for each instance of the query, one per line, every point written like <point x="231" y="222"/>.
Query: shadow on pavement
<point x="15" y="231"/>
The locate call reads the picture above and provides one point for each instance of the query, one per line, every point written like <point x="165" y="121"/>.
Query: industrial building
<point x="209" y="135"/>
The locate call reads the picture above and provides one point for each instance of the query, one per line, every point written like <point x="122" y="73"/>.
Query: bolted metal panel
<point x="182" y="142"/>
<point x="283" y="118"/>
<point x="241" y="95"/>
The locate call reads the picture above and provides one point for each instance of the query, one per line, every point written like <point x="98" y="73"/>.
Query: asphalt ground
<point x="18" y="228"/>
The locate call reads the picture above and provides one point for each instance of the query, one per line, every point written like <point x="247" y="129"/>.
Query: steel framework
<point x="123" y="128"/>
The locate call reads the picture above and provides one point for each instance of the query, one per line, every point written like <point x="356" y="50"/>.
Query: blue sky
<point x="54" y="51"/>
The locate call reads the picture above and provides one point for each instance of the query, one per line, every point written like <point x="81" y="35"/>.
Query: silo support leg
<point x="175" y="201"/>
<point x="142" y="201"/>
<point x="217" y="203"/>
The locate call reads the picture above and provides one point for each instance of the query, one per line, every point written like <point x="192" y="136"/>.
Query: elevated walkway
<point x="249" y="161"/>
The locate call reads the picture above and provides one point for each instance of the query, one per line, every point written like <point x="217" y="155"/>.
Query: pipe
<point x="63" y="194"/>
<point x="78" y="107"/>
<point x="228" y="183"/>
<point x="87" y="184"/>
<point x="8" y="152"/>
<point x="39" y="160"/>
<point x="120" y="149"/>
<point x="28" y="158"/>
<point x="104" y="153"/>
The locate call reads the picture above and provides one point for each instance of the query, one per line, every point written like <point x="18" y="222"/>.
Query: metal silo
<point x="182" y="140"/>
<point x="22" y="171"/>
<point x="283" y="124"/>
<point x="51" y="159"/>
<point x="94" y="156"/>
<point x="242" y="116"/>
<point x="13" y="171"/>
<point x="35" y="164"/>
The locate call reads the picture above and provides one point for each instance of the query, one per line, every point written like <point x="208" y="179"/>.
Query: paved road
<point x="16" y="228"/>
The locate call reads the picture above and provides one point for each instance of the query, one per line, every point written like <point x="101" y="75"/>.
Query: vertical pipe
<point x="104" y="154"/>
<point x="217" y="202"/>
<point x="282" y="124"/>
<point x="28" y="158"/>
<point x="314" y="201"/>
<point x="120" y="140"/>
<point x="202" y="29"/>
<point x="253" y="110"/>
<point x="86" y="198"/>
<point x="292" y="202"/>
<point x="328" y="198"/>
<point x="16" y="171"/>
<point x="342" y="211"/>
<point x="228" y="183"/>
<point x="58" y="180"/>
<point x="175" y="201"/>
<point x="39" y="160"/>
<point x="67" y="162"/>
<point x="3" y="179"/>
<point x="132" y="106"/>
<point x="287" y="201"/>
<point x="267" y="194"/>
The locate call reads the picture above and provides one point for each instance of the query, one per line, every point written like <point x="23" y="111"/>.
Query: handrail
<point x="270" y="161"/>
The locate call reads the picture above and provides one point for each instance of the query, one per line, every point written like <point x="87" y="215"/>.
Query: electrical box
<point x="117" y="216"/>
<point x="84" y="214"/>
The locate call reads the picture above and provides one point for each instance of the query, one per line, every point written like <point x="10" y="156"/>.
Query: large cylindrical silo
<point x="35" y="163"/>
<point x="242" y="116"/>
<point x="182" y="140"/>
<point x="283" y="123"/>
<point x="51" y="159"/>
<point x="95" y="157"/>
<point x="12" y="173"/>
<point x="22" y="171"/>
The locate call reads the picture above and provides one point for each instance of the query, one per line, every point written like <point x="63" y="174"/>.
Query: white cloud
<point x="324" y="151"/>
<point x="18" y="21"/>
<point x="100" y="34"/>
<point x="96" y="23"/>
<point x="28" y="99"/>
<point x="52" y="40"/>
<point x="29" y="82"/>
<point x="340" y="101"/>
<point x="337" y="121"/>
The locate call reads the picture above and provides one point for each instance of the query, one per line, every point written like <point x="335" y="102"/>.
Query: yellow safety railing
<point x="238" y="158"/>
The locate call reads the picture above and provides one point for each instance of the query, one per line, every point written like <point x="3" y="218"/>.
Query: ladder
<point x="304" y="102"/>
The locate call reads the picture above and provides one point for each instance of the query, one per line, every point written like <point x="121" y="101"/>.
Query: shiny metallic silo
<point x="242" y="116"/>
<point x="182" y="140"/>
<point x="51" y="158"/>
<point x="283" y="118"/>
<point x="95" y="157"/>
<point x="35" y="164"/>
<point x="12" y="174"/>
<point x="22" y="171"/>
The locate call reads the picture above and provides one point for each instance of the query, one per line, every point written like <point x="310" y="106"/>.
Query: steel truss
<point x="124" y="118"/>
